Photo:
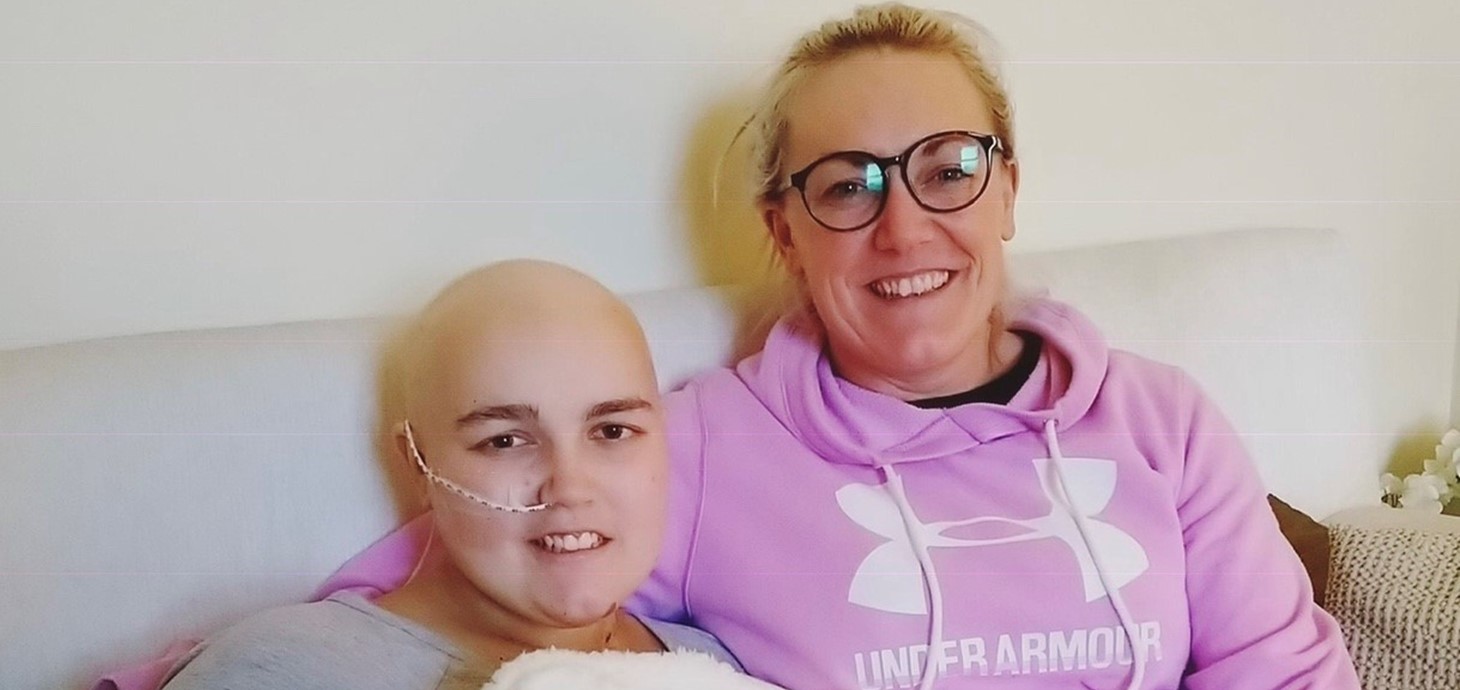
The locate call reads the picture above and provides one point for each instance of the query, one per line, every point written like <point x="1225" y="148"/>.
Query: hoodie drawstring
<point x="934" y="591"/>
<point x="934" y="659"/>
<point x="1127" y="623"/>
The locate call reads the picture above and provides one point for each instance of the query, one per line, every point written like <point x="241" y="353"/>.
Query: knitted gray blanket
<point x="1396" y="595"/>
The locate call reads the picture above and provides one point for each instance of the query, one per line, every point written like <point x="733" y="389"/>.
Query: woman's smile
<point x="910" y="285"/>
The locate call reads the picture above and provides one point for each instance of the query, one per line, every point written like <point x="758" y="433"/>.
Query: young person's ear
<point x="403" y="447"/>
<point x="404" y="462"/>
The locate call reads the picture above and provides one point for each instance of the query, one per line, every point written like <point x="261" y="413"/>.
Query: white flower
<point x="1423" y="492"/>
<point x="1449" y="445"/>
<point x="1443" y="478"/>
<point x="1432" y="489"/>
<point x="1391" y="484"/>
<point x="1447" y="457"/>
<point x="1393" y="488"/>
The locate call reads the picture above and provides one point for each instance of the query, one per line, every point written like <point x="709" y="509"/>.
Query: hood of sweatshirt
<point x="846" y="423"/>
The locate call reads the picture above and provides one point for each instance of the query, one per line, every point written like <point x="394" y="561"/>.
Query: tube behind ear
<point x="430" y="537"/>
<point x="400" y="434"/>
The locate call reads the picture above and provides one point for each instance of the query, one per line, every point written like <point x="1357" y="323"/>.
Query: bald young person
<point x="533" y="423"/>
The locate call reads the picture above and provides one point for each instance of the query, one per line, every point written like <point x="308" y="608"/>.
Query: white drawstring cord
<point x="935" y="593"/>
<point x="933" y="660"/>
<point x="1127" y="624"/>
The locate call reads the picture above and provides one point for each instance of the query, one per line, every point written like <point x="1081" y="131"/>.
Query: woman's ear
<point x="774" y="218"/>
<point x="1011" y="168"/>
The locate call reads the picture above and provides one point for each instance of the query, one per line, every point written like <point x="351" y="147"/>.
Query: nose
<point x="903" y="224"/>
<point x="569" y="478"/>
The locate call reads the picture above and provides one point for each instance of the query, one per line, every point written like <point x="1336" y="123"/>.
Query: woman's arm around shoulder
<point x="664" y="596"/>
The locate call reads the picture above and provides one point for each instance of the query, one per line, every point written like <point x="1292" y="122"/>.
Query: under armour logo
<point x="889" y="578"/>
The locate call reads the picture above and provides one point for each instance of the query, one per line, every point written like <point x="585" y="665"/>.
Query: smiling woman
<point x="537" y="429"/>
<point x="981" y="486"/>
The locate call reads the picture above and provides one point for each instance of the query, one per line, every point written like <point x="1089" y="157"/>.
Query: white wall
<point x="169" y="165"/>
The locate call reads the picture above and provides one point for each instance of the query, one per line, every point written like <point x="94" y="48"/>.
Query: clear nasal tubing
<point x="515" y="497"/>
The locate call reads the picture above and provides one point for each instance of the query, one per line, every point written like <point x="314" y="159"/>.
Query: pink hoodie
<point x="1104" y="529"/>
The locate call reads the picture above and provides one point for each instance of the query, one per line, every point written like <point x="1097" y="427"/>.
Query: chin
<point x="581" y="609"/>
<point x="918" y="353"/>
<point x="919" y="359"/>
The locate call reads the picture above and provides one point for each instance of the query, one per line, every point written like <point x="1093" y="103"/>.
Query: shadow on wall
<point x="728" y="242"/>
<point x="1416" y="445"/>
<point x="727" y="239"/>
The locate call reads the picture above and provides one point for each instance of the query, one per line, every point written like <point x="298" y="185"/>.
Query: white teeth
<point x="568" y="543"/>
<point x="909" y="287"/>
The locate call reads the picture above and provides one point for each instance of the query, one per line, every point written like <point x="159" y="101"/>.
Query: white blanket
<point x="556" y="669"/>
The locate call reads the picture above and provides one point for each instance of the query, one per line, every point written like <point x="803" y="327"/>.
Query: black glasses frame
<point x="991" y="144"/>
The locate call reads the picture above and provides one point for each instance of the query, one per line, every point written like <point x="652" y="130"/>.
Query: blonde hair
<point x="887" y="26"/>
<point x="892" y="26"/>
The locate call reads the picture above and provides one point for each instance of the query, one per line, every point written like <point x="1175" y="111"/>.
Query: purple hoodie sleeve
<point x="1253" y="621"/>
<point x="663" y="596"/>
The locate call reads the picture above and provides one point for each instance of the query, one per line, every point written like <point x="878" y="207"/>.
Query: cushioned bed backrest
<point x="164" y="485"/>
<point x="1270" y="324"/>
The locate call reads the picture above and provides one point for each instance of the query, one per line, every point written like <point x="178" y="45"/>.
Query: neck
<point x="443" y="599"/>
<point x="984" y="361"/>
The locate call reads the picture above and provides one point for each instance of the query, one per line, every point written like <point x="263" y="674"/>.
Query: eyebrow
<point x="608" y="407"/>
<point x="511" y="413"/>
<point x="523" y="413"/>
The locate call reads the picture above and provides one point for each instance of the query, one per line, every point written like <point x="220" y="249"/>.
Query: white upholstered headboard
<point x="1270" y="323"/>
<point x="164" y="485"/>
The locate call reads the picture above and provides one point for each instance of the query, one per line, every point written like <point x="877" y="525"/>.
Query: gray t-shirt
<point x="347" y="642"/>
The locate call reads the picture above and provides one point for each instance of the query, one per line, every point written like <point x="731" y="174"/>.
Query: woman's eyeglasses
<point x="944" y="172"/>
